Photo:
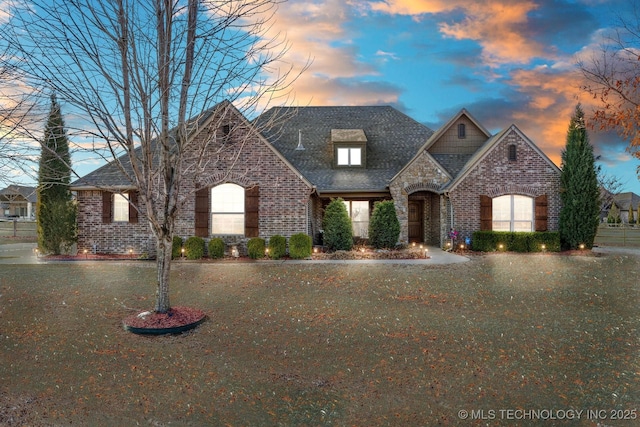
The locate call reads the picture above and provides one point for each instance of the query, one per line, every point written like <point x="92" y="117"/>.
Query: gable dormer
<point x="349" y="148"/>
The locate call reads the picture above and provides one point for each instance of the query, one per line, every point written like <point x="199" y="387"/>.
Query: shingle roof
<point x="29" y="193"/>
<point x="392" y="140"/>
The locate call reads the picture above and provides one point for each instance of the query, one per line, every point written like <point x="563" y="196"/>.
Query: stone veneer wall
<point x="495" y="175"/>
<point x="242" y="158"/>
<point x="421" y="175"/>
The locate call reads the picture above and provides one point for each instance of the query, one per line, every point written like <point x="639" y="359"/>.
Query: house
<point x="275" y="175"/>
<point x="18" y="201"/>
<point x="623" y="201"/>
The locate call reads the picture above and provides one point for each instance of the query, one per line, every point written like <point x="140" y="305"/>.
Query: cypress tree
<point x="55" y="211"/>
<point x="579" y="187"/>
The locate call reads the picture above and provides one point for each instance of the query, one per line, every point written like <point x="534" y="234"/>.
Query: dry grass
<point x="322" y="344"/>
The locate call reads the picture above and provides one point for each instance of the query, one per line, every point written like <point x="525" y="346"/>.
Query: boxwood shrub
<point x="489" y="241"/>
<point x="176" y="247"/>
<point x="300" y="246"/>
<point x="277" y="246"/>
<point x="194" y="247"/>
<point x="216" y="248"/>
<point x="384" y="227"/>
<point x="255" y="247"/>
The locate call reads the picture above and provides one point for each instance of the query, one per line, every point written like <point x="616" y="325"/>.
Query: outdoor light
<point x="581" y="245"/>
<point x="543" y="247"/>
<point x="362" y="250"/>
<point x="500" y="246"/>
<point x="182" y="252"/>
<point x="449" y="244"/>
<point x="266" y="251"/>
<point x="315" y="250"/>
<point x="413" y="244"/>
<point x="426" y="253"/>
<point x="420" y="246"/>
<point x="85" y="253"/>
<point x="461" y="246"/>
<point x="130" y="251"/>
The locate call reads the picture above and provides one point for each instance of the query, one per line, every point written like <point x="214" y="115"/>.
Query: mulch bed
<point x="176" y="319"/>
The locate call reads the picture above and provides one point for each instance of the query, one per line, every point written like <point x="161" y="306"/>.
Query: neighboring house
<point x="285" y="171"/>
<point x="622" y="201"/>
<point x="18" y="201"/>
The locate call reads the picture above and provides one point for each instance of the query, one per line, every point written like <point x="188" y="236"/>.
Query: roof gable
<point x="113" y="175"/>
<point x="489" y="146"/>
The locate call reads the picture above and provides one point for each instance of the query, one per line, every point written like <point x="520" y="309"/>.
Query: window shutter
<point x="133" y="204"/>
<point x="202" y="213"/>
<point x="486" y="213"/>
<point x="541" y="213"/>
<point x="251" y="214"/>
<point x="106" y="206"/>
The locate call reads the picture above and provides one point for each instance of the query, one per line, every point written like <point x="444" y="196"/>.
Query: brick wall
<point x="242" y="158"/>
<point x="530" y="175"/>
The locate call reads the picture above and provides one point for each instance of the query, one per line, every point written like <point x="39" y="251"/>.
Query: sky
<point x="505" y="61"/>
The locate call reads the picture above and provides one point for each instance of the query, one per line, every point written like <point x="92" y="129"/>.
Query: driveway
<point x="18" y="253"/>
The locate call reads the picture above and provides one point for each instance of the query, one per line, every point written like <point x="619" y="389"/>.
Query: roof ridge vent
<point x="300" y="146"/>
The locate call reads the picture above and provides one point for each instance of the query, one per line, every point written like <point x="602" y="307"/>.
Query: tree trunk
<point x="164" y="268"/>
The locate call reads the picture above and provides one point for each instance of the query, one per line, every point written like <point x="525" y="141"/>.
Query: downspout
<point x="448" y="196"/>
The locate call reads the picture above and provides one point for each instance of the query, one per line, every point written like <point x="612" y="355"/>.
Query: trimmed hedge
<point x="176" y="247"/>
<point x="277" y="246"/>
<point x="194" y="247"/>
<point x="255" y="247"/>
<point x="300" y="246"/>
<point x="489" y="241"/>
<point x="216" y="248"/>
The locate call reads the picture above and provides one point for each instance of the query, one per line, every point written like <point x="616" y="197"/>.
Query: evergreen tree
<point x="55" y="211"/>
<point x="338" y="231"/>
<point x="384" y="227"/>
<point x="579" y="187"/>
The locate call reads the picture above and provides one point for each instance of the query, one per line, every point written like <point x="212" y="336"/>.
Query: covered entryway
<point x="424" y="218"/>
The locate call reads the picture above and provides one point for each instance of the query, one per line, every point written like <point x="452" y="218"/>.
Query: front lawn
<point x="325" y="344"/>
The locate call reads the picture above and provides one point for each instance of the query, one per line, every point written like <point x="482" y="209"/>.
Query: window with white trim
<point x="349" y="156"/>
<point x="227" y="209"/>
<point x="120" y="207"/>
<point x="513" y="212"/>
<point x="359" y="213"/>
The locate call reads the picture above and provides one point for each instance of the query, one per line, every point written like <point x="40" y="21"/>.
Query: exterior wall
<point x="495" y="175"/>
<point x="423" y="174"/>
<point x="449" y="143"/>
<point x="94" y="236"/>
<point x="243" y="158"/>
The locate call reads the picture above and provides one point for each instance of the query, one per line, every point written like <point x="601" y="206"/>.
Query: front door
<point x="415" y="221"/>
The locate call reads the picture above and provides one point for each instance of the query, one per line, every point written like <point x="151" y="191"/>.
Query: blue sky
<point x="507" y="61"/>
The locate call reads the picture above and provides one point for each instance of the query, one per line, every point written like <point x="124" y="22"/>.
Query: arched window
<point x="512" y="212"/>
<point x="227" y="209"/>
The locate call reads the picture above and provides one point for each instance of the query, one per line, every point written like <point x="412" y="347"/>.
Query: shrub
<point x="489" y="241"/>
<point x="216" y="248"/>
<point x="194" y="247"/>
<point x="614" y="215"/>
<point x="277" y="246"/>
<point x="384" y="227"/>
<point x="300" y="246"/>
<point x="255" y="247"/>
<point x="176" y="247"/>
<point x="338" y="232"/>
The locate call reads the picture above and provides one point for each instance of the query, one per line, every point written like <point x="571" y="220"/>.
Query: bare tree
<point x="612" y="78"/>
<point x="142" y="72"/>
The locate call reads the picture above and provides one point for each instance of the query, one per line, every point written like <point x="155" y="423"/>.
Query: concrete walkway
<point x="24" y="253"/>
